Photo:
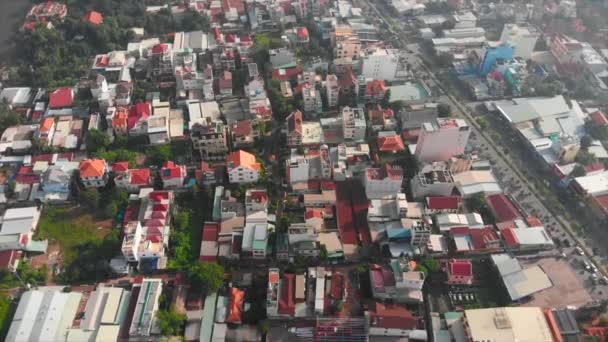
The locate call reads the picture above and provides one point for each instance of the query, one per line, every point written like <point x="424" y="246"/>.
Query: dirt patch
<point x="567" y="289"/>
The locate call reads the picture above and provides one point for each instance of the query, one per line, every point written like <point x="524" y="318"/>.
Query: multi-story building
<point x="312" y="99"/>
<point x="442" y="140"/>
<point x="332" y="89"/>
<point x="210" y="140"/>
<point x="303" y="240"/>
<point x="208" y="92"/>
<point x="132" y="234"/>
<point x="242" y="167"/>
<point x="380" y="64"/>
<point x="348" y="47"/>
<point x="93" y="173"/>
<point x="144" y="314"/>
<point x="173" y="175"/>
<point x="294" y="129"/>
<point x="353" y="124"/>
<point x="432" y="180"/>
<point x="161" y="65"/>
<point x="383" y="182"/>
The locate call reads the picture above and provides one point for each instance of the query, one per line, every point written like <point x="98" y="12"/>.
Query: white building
<point x="442" y="140"/>
<point x="464" y="20"/>
<point x="131" y="240"/>
<point x="473" y="32"/>
<point x="312" y="99"/>
<point x="242" y="167"/>
<point x="380" y="64"/>
<point x="332" y="90"/>
<point x="383" y="182"/>
<point x="353" y="124"/>
<point x="44" y="314"/>
<point x="432" y="180"/>
<point x="144" y="315"/>
<point x="522" y="38"/>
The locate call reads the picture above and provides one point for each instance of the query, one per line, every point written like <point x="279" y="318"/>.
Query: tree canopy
<point x="171" y="322"/>
<point x="208" y="275"/>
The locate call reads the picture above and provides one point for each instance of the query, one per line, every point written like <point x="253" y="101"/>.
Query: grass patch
<point x="70" y="228"/>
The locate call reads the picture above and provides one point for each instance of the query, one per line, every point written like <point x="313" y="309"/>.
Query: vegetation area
<point x="479" y="204"/>
<point x="6" y="311"/>
<point x="8" y="117"/>
<point x="60" y="56"/>
<point x="86" y="248"/>
<point x="171" y="322"/>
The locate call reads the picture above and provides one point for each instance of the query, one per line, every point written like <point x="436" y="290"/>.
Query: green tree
<point x="585" y="157"/>
<point x="431" y="264"/>
<point x="96" y="140"/>
<point x="90" y="198"/>
<point x="482" y="122"/>
<point x="8" y="117"/>
<point x="444" y="110"/>
<point x="209" y="276"/>
<point x="158" y="155"/>
<point x="170" y="322"/>
<point x="194" y="21"/>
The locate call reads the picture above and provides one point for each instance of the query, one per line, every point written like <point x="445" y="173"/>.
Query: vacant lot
<point x="567" y="289"/>
<point x="69" y="228"/>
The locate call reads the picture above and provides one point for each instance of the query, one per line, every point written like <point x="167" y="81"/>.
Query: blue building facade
<point x="492" y="54"/>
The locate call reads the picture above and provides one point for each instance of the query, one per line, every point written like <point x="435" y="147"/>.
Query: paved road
<point x="511" y="180"/>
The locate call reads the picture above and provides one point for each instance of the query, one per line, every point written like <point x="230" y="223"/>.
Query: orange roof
<point x="90" y="168"/>
<point x="242" y="158"/>
<point x="120" y="117"/>
<point x="237" y="297"/>
<point x="93" y="17"/>
<point x="47" y="124"/>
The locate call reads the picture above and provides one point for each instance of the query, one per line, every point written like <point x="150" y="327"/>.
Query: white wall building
<point x="442" y="140"/>
<point x="353" y="124"/>
<point x="380" y="64"/>
<point x="383" y="182"/>
<point x="333" y="90"/>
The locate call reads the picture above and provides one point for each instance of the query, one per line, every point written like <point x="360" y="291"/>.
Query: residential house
<point x="442" y="204"/>
<point x="137" y="118"/>
<point x="243" y="133"/>
<point x="93" y="173"/>
<point x="380" y="119"/>
<point x="225" y="84"/>
<point x="173" y="175"/>
<point x="353" y="124"/>
<point x="396" y="282"/>
<point x="61" y="98"/>
<point x="390" y="142"/>
<point x="133" y="180"/>
<point x="55" y="183"/>
<point x="460" y="272"/>
<point x="475" y="241"/>
<point x="243" y="167"/>
<point x="303" y="240"/>
<point x="388" y="319"/>
<point x="46" y="130"/>
<point x="210" y="139"/>
<point x="332" y="89"/>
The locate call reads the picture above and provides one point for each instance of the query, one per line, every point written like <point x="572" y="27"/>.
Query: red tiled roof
<point x="26" y="170"/>
<point x="594" y="167"/>
<point x="313" y="213"/>
<point x="344" y="213"/>
<point x="286" y="74"/>
<point x="138" y="112"/>
<point x="171" y="170"/>
<point x="120" y="167"/>
<point x="442" y="202"/>
<point x="392" y="316"/>
<point x="8" y="258"/>
<point x="140" y="177"/>
<point x="337" y="286"/>
<point x="47" y="124"/>
<point x="533" y="221"/>
<point x="462" y="268"/>
<point x="599" y="118"/>
<point x="391" y="143"/>
<point x="160" y="48"/>
<point x="482" y="237"/>
<point x="93" y="17"/>
<point x="236" y="305"/>
<point x="302" y="33"/>
<point x="242" y="128"/>
<point x="286" y="302"/>
<point x="210" y="231"/>
<point x="509" y="236"/>
<point x="504" y="209"/>
<point x="27" y="179"/>
<point x="61" y="98"/>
